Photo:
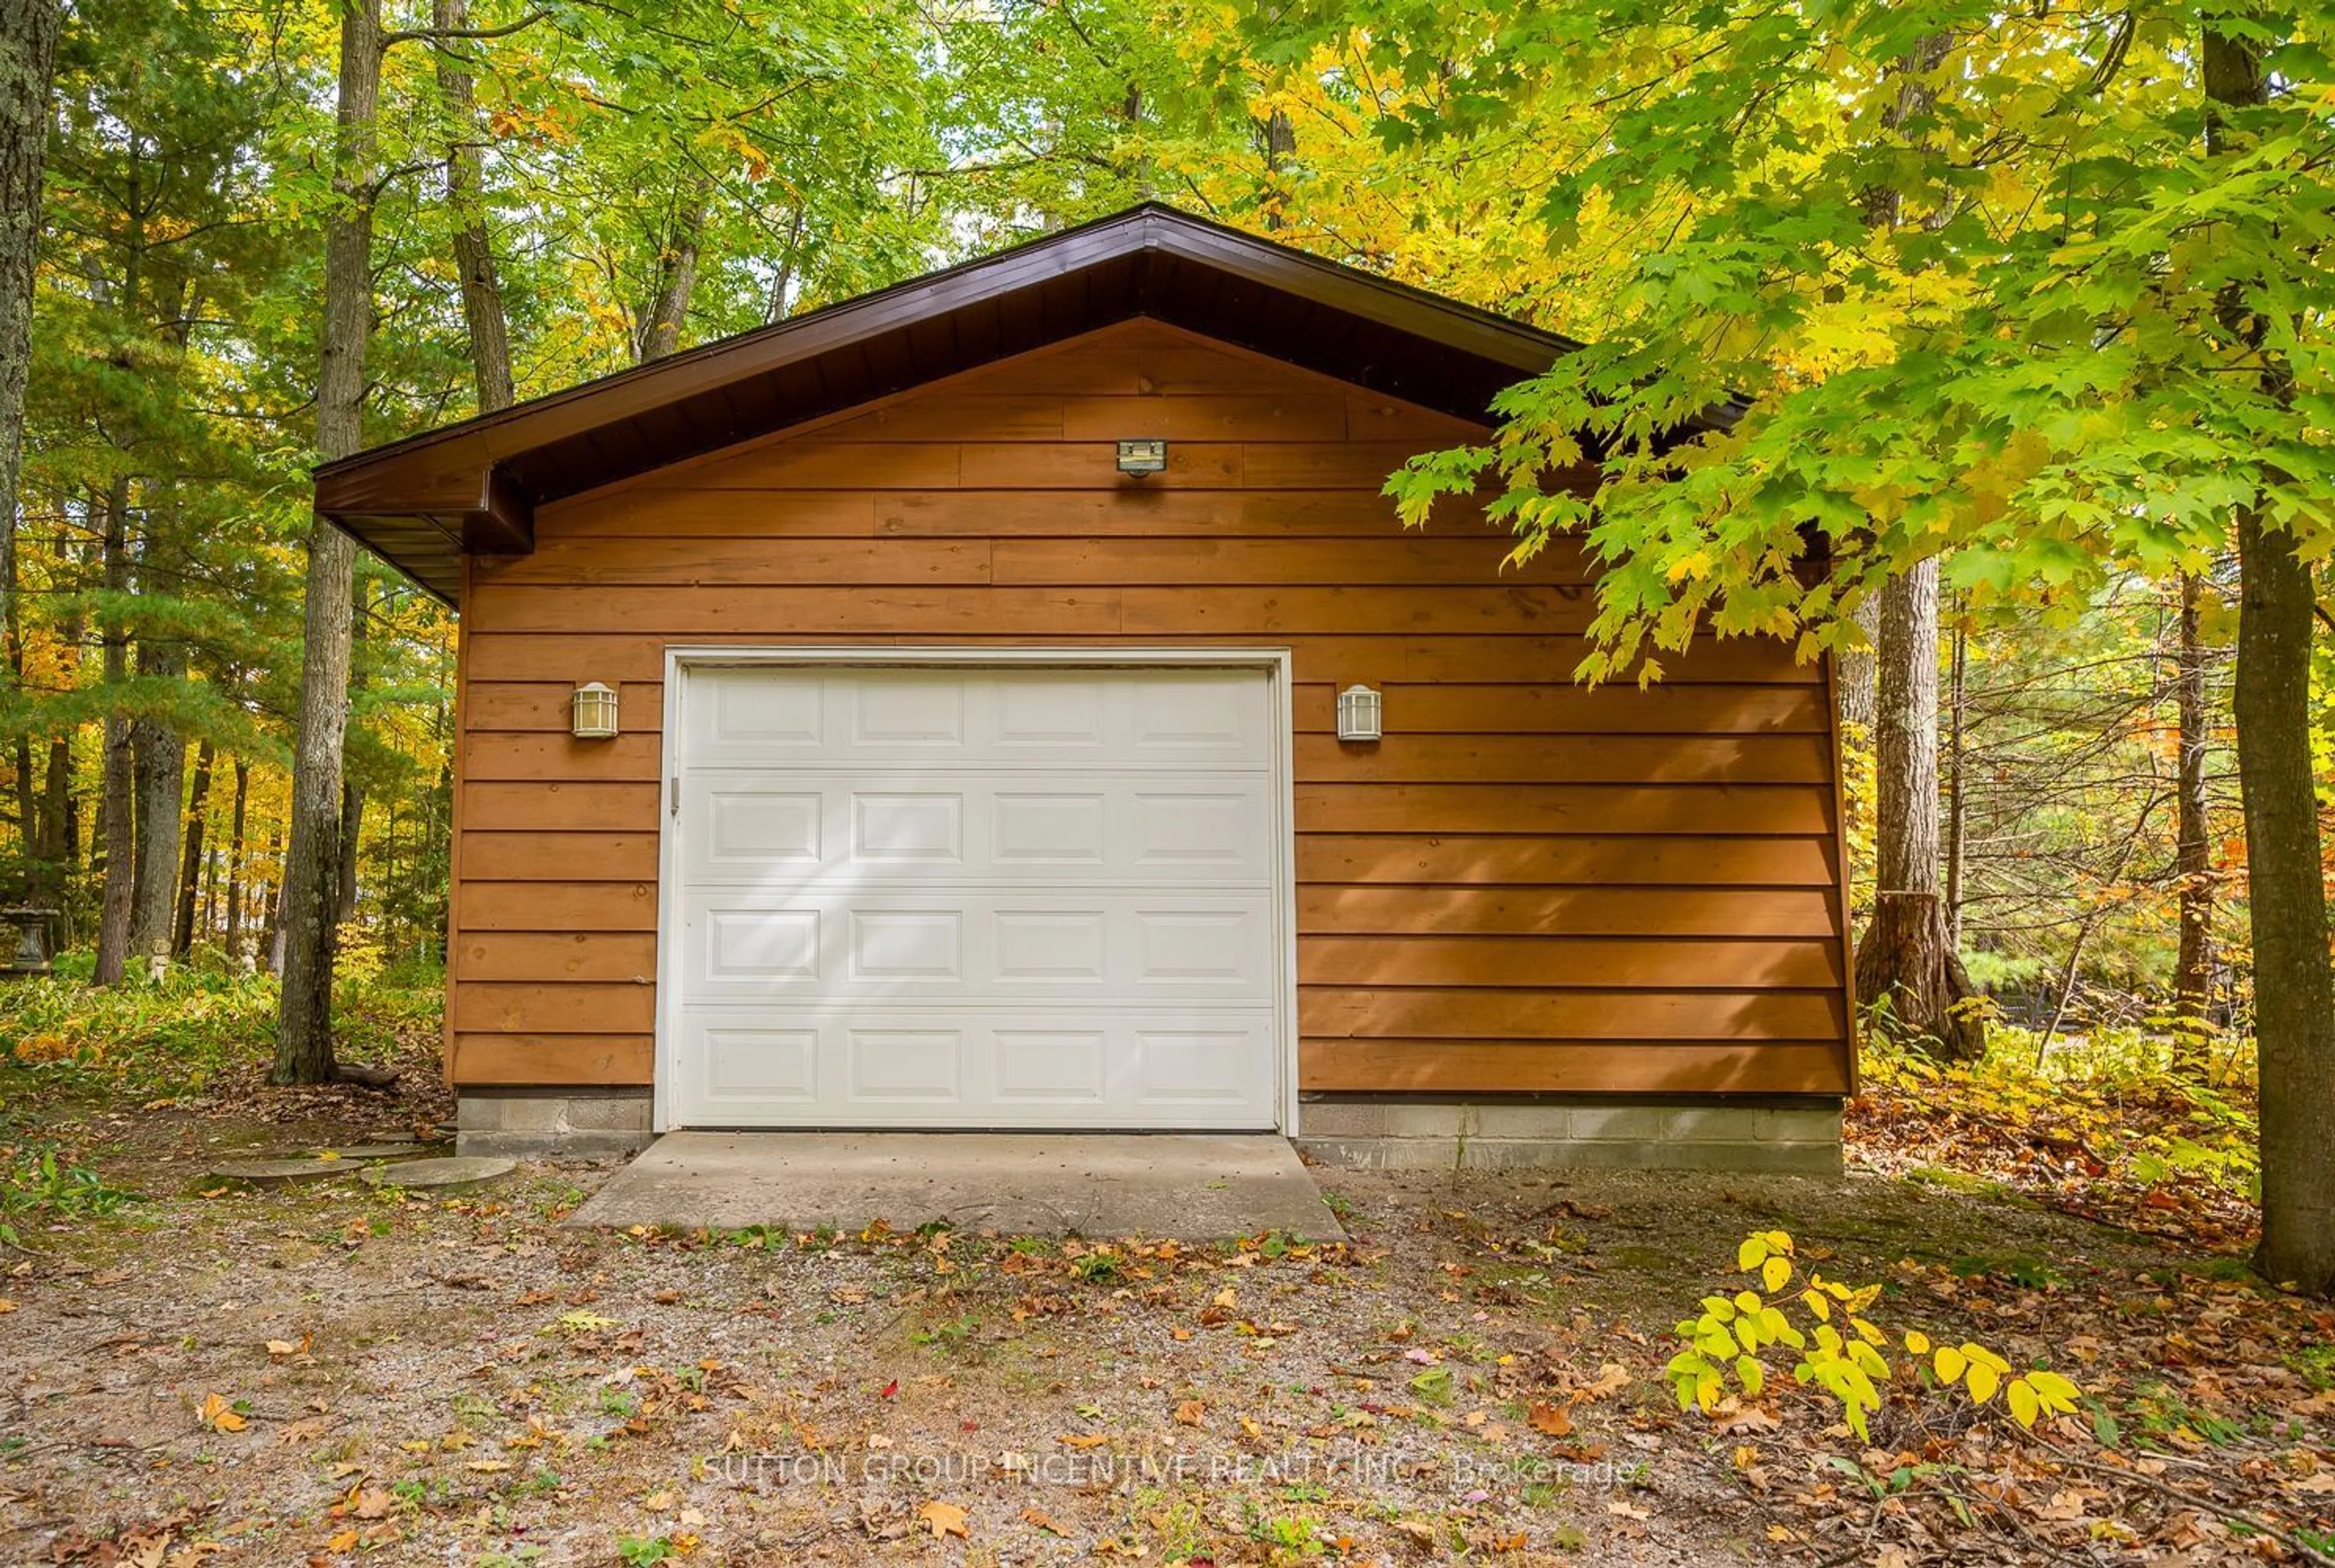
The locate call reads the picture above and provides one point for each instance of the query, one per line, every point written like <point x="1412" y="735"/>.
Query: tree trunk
<point x="271" y="904"/>
<point x="1859" y="695"/>
<point x="234" y="937"/>
<point x="1905" y="960"/>
<point x="191" y="865"/>
<point x="782" y="276"/>
<point x="28" y="790"/>
<point x="312" y="861"/>
<point x="2294" y="1001"/>
<point x="657" y="331"/>
<point x="2294" y="989"/>
<point x="1957" y="803"/>
<point x="353" y="794"/>
<point x="115" y="786"/>
<point x="28" y="56"/>
<point x="352" y="805"/>
<point x="2193" y="982"/>
<point x="474" y="258"/>
<point x="158" y="764"/>
<point x="1279" y="137"/>
<point x="28" y="821"/>
<point x="55" y="848"/>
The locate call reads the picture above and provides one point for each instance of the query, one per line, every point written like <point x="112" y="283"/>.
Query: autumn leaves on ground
<point x="331" y="1372"/>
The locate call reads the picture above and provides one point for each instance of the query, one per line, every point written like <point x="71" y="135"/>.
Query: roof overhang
<point x="422" y="502"/>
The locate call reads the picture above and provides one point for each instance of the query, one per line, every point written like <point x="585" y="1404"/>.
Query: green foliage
<point x="2113" y="1091"/>
<point x="201" y="1022"/>
<point x="1732" y="1337"/>
<point x="36" y="1187"/>
<point x="1888" y="280"/>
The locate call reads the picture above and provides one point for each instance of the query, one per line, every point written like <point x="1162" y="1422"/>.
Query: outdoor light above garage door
<point x="1358" y="714"/>
<point x="596" y="713"/>
<point x="1149" y="456"/>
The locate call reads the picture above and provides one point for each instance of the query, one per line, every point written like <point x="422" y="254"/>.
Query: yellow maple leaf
<point x="944" y="1519"/>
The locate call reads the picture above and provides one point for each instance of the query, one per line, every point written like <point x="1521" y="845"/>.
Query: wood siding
<point x="1525" y="886"/>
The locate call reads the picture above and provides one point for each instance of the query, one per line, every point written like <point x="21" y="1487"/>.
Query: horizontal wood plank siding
<point x="1526" y="886"/>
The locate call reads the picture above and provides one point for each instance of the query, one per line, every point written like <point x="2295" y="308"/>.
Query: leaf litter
<point x="1478" y="1374"/>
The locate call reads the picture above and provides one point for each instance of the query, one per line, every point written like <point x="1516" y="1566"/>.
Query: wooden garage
<point x="965" y="774"/>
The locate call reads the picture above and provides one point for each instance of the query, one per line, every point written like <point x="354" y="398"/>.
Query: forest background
<point x="270" y="232"/>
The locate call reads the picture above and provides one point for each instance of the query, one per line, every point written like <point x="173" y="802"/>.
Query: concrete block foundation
<point x="540" y="1124"/>
<point x="1794" y="1136"/>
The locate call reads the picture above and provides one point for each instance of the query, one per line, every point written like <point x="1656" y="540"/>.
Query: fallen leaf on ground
<point x="944" y="1519"/>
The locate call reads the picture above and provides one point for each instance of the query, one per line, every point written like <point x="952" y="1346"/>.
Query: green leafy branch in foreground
<point x="1734" y="1334"/>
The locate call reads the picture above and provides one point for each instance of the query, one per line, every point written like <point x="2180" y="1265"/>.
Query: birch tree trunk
<point x="312" y="860"/>
<point x="2294" y="989"/>
<point x="1907" y="960"/>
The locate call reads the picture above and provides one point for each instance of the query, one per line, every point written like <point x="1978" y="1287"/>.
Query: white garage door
<point x="951" y="896"/>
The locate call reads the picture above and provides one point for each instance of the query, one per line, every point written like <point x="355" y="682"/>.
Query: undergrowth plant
<point x="202" y="1018"/>
<point x="37" y="1187"/>
<point x="1806" y="1314"/>
<point x="2112" y="1090"/>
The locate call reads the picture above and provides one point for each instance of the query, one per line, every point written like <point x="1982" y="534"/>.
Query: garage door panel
<point x="1194" y="1065"/>
<point x="1053" y="831"/>
<point x="750" y="1063"/>
<point x="967" y="898"/>
<point x="783" y="829"/>
<point x="906" y="1068"/>
<point x="761" y="827"/>
<point x="981" y="947"/>
<point x="758" y="947"/>
<point x="902" y="1066"/>
<point x="1189" y="827"/>
<point x="1007" y="718"/>
<point x="1062" y="1066"/>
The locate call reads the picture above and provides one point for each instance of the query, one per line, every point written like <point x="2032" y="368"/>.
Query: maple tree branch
<point x="447" y="35"/>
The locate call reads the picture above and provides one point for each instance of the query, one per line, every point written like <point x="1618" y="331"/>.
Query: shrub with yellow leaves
<point x="1734" y="1333"/>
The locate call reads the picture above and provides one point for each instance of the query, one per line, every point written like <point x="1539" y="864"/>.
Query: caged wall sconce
<point x="595" y="716"/>
<point x="1358" y="714"/>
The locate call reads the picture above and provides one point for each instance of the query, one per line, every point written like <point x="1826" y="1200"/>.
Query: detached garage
<point x="927" y="714"/>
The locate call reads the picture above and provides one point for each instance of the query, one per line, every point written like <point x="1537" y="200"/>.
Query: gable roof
<point x="419" y="503"/>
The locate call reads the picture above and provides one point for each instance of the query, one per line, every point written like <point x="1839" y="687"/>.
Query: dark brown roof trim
<point x="420" y="502"/>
